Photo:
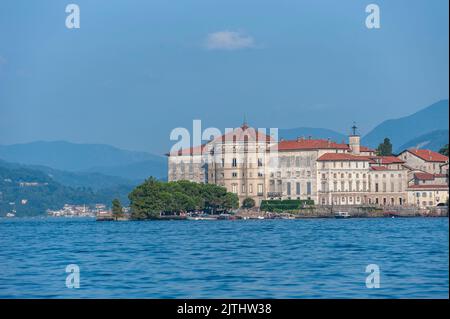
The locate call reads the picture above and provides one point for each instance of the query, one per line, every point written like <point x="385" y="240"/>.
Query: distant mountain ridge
<point x="71" y="156"/>
<point x="115" y="166"/>
<point x="432" y="141"/>
<point x="88" y="158"/>
<point x="404" y="129"/>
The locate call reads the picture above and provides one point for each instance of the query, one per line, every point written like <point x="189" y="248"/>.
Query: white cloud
<point x="228" y="40"/>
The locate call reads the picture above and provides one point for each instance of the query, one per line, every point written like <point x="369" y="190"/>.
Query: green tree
<point x="248" y="203"/>
<point x="117" y="208"/>
<point x="231" y="201"/>
<point x="444" y="150"/>
<point x="385" y="148"/>
<point x="153" y="197"/>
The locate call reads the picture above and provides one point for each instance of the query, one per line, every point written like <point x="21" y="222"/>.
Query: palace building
<point x="255" y="165"/>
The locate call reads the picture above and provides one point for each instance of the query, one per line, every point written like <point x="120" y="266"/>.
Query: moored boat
<point x="341" y="215"/>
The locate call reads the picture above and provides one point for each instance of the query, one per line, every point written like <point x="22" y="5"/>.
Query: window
<point x="234" y="162"/>
<point x="308" y="188"/>
<point x="243" y="188"/>
<point x="234" y="174"/>
<point x="234" y="188"/>
<point x="260" y="189"/>
<point x="250" y="188"/>
<point x="260" y="162"/>
<point x="288" y="188"/>
<point x="297" y="188"/>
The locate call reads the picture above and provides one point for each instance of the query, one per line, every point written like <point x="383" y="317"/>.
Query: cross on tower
<point x="354" y="128"/>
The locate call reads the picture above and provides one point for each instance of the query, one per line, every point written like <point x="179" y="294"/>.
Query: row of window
<point x="359" y="187"/>
<point x="260" y="188"/>
<point x="342" y="175"/>
<point x="358" y="200"/>
<point x="289" y="187"/>
<point x="234" y="162"/>
<point x="345" y="164"/>
<point x="294" y="161"/>
<point x="290" y="174"/>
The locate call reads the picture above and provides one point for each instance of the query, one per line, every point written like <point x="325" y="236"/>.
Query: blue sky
<point x="137" y="69"/>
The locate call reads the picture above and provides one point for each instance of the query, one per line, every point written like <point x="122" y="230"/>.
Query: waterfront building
<point x="348" y="179"/>
<point x="252" y="164"/>
<point x="237" y="160"/>
<point x="428" y="195"/>
<point x="425" y="160"/>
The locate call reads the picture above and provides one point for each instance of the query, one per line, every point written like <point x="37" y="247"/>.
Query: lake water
<point x="314" y="258"/>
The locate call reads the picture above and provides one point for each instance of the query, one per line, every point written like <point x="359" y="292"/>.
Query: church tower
<point x="355" y="140"/>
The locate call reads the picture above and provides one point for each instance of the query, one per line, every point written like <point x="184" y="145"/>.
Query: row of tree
<point x="154" y="197"/>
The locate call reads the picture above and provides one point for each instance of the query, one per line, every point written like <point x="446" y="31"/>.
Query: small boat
<point x="201" y="217"/>
<point x="341" y="215"/>
<point x="10" y="215"/>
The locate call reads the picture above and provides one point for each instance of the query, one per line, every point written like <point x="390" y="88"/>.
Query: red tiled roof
<point x="424" y="176"/>
<point x="244" y="133"/>
<point x="240" y="134"/>
<point x="310" y="144"/>
<point x="366" y="149"/>
<point x="386" y="160"/>
<point x="342" y="157"/>
<point x="424" y="186"/>
<point x="428" y="155"/>
<point x="379" y="168"/>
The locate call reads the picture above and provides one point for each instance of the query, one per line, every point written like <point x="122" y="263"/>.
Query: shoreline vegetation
<point x="155" y="198"/>
<point x="184" y="200"/>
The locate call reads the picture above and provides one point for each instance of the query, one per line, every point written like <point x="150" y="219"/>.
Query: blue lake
<point x="313" y="258"/>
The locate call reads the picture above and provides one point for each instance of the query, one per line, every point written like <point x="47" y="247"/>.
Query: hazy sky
<point x="137" y="69"/>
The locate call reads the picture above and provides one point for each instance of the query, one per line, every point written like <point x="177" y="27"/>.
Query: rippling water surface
<point x="320" y="258"/>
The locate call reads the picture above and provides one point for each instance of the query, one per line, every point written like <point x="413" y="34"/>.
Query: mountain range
<point x="410" y="129"/>
<point x="102" y="172"/>
<point x="87" y="159"/>
<point x="432" y="141"/>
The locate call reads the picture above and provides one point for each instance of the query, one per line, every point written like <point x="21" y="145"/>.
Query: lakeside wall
<point x="373" y="211"/>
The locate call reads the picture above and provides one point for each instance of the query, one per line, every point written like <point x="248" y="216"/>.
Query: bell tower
<point x="354" y="140"/>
